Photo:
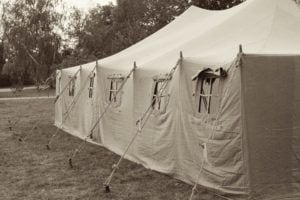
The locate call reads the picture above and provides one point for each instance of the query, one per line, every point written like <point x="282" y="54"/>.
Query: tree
<point x="31" y="41"/>
<point x="128" y="27"/>
<point x="136" y="19"/>
<point x="106" y="30"/>
<point x="216" y="4"/>
<point x="92" y="33"/>
<point x="4" y="79"/>
<point x="160" y="13"/>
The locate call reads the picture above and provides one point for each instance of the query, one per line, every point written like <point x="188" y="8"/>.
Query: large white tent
<point x="228" y="120"/>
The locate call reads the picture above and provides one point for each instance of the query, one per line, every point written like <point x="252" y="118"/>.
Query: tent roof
<point x="269" y="26"/>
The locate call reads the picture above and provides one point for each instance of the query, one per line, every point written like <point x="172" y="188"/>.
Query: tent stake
<point x="70" y="163"/>
<point x="107" y="189"/>
<point x="9" y="125"/>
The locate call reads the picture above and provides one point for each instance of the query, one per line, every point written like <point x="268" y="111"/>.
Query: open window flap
<point x="210" y="73"/>
<point x="116" y="76"/>
<point x="162" y="77"/>
<point x="72" y="77"/>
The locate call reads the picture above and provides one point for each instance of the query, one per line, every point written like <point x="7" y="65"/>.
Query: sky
<point x="84" y="5"/>
<point x="87" y="4"/>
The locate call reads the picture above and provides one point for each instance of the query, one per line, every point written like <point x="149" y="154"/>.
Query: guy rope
<point x="71" y="106"/>
<point x="141" y="124"/>
<point x="99" y="118"/>
<point x="35" y="126"/>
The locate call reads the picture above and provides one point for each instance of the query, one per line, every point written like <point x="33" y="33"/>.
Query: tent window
<point x="91" y="87"/>
<point x="207" y="89"/>
<point x="208" y="96"/>
<point x="160" y="97"/>
<point x="115" y="82"/>
<point x="72" y="86"/>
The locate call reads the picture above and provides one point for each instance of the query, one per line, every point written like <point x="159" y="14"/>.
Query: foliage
<point x="31" y="43"/>
<point x="4" y="79"/>
<point x="216" y="4"/>
<point x="34" y="46"/>
<point x="160" y="13"/>
<point x="106" y="30"/>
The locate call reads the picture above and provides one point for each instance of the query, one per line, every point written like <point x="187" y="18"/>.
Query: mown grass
<point x="29" y="171"/>
<point x="27" y="93"/>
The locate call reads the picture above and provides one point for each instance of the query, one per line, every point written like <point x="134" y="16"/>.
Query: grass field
<point x="29" y="171"/>
<point x="27" y="93"/>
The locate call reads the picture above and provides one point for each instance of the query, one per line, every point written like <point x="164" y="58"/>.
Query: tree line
<point x="37" y="39"/>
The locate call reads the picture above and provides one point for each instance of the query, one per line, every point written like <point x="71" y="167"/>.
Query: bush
<point x="5" y="81"/>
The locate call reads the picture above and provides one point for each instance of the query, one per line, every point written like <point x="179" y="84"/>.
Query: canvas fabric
<point x="250" y="144"/>
<point x="172" y="138"/>
<point x="271" y="104"/>
<point x="68" y="116"/>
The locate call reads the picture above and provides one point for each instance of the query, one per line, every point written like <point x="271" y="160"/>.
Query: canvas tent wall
<point x="76" y="110"/>
<point x="271" y="109"/>
<point x="87" y="100"/>
<point x="248" y="154"/>
<point x="67" y="83"/>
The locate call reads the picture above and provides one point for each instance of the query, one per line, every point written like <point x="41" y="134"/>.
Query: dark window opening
<point x="160" y="96"/>
<point x="207" y="90"/>
<point x="206" y="95"/>
<point x="115" y="84"/>
<point x="72" y="86"/>
<point x="91" y="87"/>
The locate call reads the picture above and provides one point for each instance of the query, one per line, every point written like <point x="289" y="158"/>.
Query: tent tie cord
<point x="141" y="124"/>
<point x="209" y="138"/>
<point x="65" y="87"/>
<point x="69" y="109"/>
<point x="81" y="145"/>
